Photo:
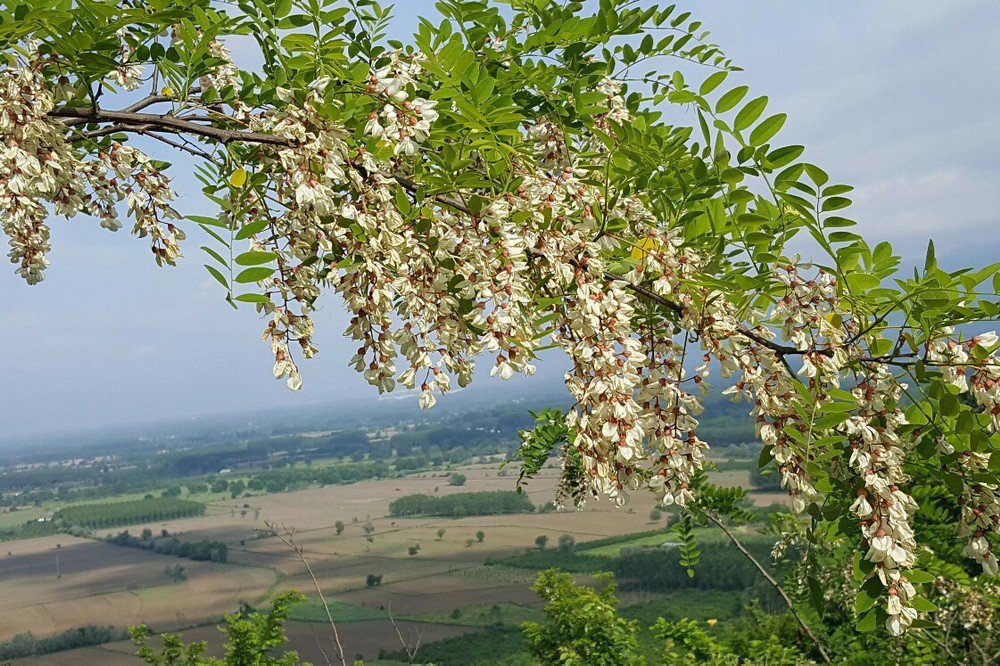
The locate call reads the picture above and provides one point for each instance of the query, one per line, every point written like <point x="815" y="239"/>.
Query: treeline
<point x="203" y="551"/>
<point x="112" y="514"/>
<point x="489" y="503"/>
<point x="26" y="645"/>
<point x="720" y="567"/>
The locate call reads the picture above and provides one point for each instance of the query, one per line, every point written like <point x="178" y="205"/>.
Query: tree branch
<point x="286" y="536"/>
<point x="770" y="579"/>
<point x="141" y="123"/>
<point x="167" y="123"/>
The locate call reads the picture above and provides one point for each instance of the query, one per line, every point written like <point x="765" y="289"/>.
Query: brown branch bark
<point x="165" y="122"/>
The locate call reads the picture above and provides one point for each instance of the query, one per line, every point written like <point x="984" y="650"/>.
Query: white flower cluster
<point x="972" y="366"/>
<point x="38" y="164"/>
<point x="127" y="74"/>
<point x="883" y="508"/>
<point x="598" y="338"/>
<point x="225" y="75"/>
<point x="617" y="111"/>
<point x="405" y="121"/>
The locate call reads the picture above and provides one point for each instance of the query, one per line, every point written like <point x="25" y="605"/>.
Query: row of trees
<point x="27" y="645"/>
<point x="205" y="550"/>
<point x="112" y="514"/>
<point x="489" y="503"/>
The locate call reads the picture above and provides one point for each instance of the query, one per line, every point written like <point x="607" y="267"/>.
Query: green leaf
<point x="712" y="82"/>
<point x="863" y="602"/>
<point x="255" y="274"/>
<point x="253" y="298"/>
<point x="867" y="622"/>
<point x="836" y="203"/>
<point x="767" y="129"/>
<point x="949" y="404"/>
<point x="780" y="157"/>
<point x="215" y="255"/>
<point x="917" y="576"/>
<point x="281" y="9"/>
<point x="923" y="605"/>
<point x="251" y="229"/>
<point x="210" y="221"/>
<point x="750" y="113"/>
<point x="862" y="282"/>
<point x="731" y="99"/>
<point x="218" y="276"/>
<point x="255" y="258"/>
<point x="818" y="176"/>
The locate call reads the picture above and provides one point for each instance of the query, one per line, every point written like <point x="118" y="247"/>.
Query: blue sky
<point x="899" y="99"/>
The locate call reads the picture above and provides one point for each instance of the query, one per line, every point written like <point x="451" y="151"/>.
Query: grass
<point x="700" y="605"/>
<point x="20" y="517"/>
<point x="484" y="648"/>
<point x="312" y="610"/>
<point x="613" y="550"/>
<point x="500" y="614"/>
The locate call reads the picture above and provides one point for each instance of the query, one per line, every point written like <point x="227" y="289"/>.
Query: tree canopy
<point x="527" y="174"/>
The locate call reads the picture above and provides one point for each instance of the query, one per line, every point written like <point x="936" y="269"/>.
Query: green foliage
<point x="583" y="627"/>
<point x="721" y="567"/>
<point x="488" y="503"/>
<point x="491" y="647"/>
<point x="26" y="645"/>
<point x="129" y="512"/>
<point x="686" y="643"/>
<point x="205" y="550"/>
<point x="252" y="638"/>
<point x="456" y="479"/>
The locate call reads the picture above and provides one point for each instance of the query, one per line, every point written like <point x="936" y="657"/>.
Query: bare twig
<point x="286" y="535"/>
<point x="411" y="650"/>
<point x="770" y="579"/>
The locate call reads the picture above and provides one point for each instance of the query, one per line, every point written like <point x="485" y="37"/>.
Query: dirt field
<point x="364" y="638"/>
<point x="105" y="584"/>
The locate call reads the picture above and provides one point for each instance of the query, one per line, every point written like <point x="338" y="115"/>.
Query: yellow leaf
<point x="238" y="178"/>
<point x="641" y="249"/>
<point x="835" y="319"/>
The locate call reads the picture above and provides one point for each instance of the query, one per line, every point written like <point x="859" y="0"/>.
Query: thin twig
<point x="286" y="535"/>
<point x="770" y="579"/>
<point x="411" y="652"/>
